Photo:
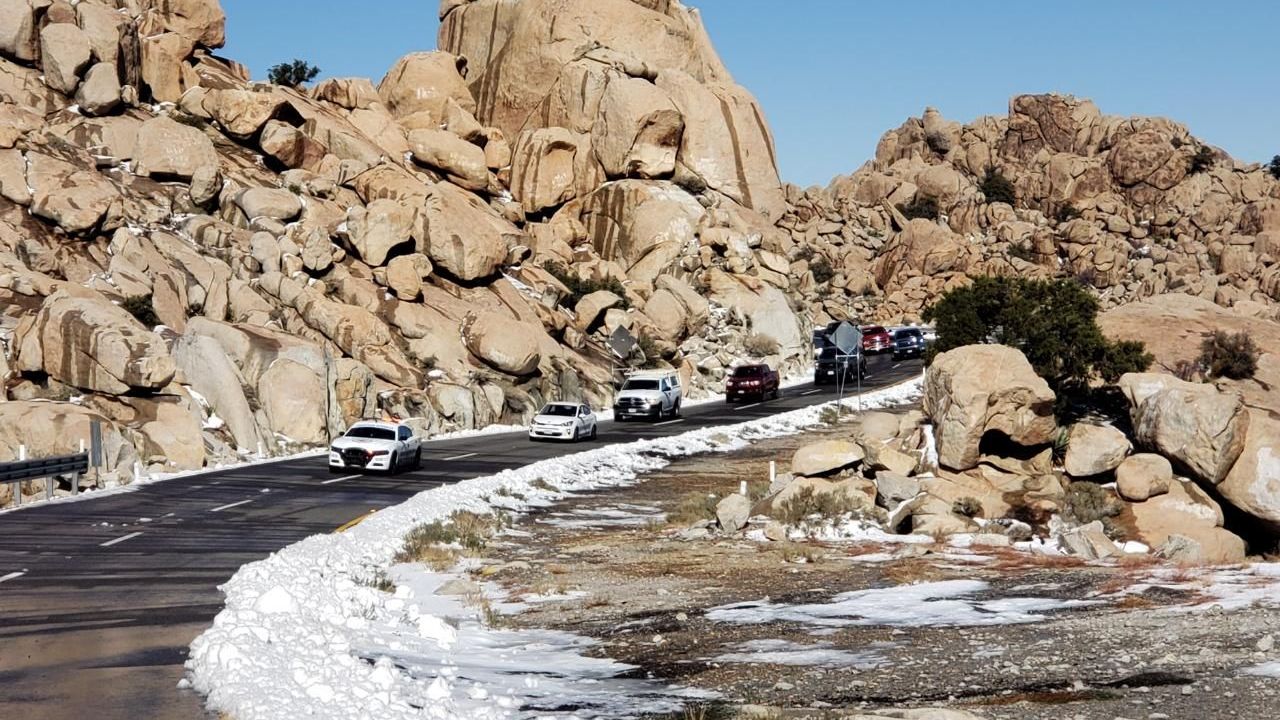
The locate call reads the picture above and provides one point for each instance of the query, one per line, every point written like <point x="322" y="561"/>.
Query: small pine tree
<point x="997" y="187"/>
<point x="1201" y="161"/>
<point x="1274" y="167"/>
<point x="921" y="208"/>
<point x="1233" y="356"/>
<point x="293" y="74"/>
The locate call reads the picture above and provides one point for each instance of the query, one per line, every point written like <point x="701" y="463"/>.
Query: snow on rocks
<point x="327" y="658"/>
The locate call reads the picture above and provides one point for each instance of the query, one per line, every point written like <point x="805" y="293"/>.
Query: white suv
<point x="653" y="394"/>
<point x="372" y="445"/>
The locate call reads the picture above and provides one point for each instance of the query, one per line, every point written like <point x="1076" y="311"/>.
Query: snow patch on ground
<point x="1267" y="669"/>
<point x="332" y="657"/>
<point x="624" y="515"/>
<point x="947" y="603"/>
<point x="785" y="652"/>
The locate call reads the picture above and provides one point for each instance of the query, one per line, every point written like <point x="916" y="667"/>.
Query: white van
<point x="652" y="394"/>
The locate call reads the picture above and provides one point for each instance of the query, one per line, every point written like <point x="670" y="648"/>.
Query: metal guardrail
<point x="48" y="468"/>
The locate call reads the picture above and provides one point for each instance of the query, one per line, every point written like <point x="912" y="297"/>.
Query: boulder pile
<point x="986" y="458"/>
<point x="1134" y="207"/>
<point x="216" y="268"/>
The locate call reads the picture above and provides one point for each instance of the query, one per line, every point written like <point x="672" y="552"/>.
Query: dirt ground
<point x="606" y="565"/>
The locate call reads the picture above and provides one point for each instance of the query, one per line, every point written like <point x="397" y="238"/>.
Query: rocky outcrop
<point x="1094" y="449"/>
<point x="1195" y="424"/>
<point x="91" y="344"/>
<point x="979" y="389"/>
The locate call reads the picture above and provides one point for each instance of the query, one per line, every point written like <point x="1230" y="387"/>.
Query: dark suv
<point x="907" y="342"/>
<point x="831" y="367"/>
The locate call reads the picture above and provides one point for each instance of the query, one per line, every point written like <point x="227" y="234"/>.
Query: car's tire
<point x="393" y="467"/>
<point x="595" y="430"/>
<point x="675" y="410"/>
<point x="577" y="433"/>
<point x="417" y="459"/>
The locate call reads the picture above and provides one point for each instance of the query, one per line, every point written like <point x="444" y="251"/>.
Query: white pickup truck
<point x="373" y="445"/>
<point x="652" y="394"/>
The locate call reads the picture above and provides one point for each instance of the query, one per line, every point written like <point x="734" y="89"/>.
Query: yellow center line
<point x="356" y="522"/>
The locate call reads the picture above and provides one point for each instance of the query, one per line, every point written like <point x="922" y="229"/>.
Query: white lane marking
<point x="121" y="539"/>
<point x="895" y="366"/>
<point x="12" y="576"/>
<point x="338" y="480"/>
<point x="744" y="407"/>
<point x="461" y="457"/>
<point x="228" y="506"/>
<point x="671" y="422"/>
<point x="810" y="392"/>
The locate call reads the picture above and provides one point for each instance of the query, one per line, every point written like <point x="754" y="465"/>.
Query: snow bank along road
<point x="99" y="599"/>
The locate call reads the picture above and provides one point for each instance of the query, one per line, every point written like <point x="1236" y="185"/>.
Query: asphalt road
<point x="99" y="599"/>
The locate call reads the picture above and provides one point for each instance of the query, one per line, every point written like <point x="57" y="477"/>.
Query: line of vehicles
<point x="653" y="395"/>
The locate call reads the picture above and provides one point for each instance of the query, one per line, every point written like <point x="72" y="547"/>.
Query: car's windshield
<point x="640" y="385"/>
<point x="560" y="410"/>
<point x="873" y="330"/>
<point x="373" y="433"/>
<point x="749" y="371"/>
<point x="904" y="334"/>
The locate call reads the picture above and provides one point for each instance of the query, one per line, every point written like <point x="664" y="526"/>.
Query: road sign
<point x="847" y="338"/>
<point x="622" y="343"/>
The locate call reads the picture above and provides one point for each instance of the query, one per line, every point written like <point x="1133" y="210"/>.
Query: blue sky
<point x="834" y="75"/>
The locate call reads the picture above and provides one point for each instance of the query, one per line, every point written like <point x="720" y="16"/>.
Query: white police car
<point x="374" y="445"/>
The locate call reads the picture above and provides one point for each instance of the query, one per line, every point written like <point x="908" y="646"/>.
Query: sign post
<point x="848" y="341"/>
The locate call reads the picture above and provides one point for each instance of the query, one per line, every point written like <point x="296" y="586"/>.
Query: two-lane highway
<point x="100" y="598"/>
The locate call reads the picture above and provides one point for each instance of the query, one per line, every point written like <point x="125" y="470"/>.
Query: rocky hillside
<point x="217" y="269"/>
<point x="1135" y="207"/>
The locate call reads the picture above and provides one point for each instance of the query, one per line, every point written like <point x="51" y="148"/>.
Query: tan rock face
<point x="922" y="248"/>
<point x="1143" y="476"/>
<point x="242" y="113"/>
<point x="549" y="167"/>
<point x="99" y="94"/>
<point x="168" y="148"/>
<point x="1187" y="512"/>
<point x="637" y="133"/>
<point x="273" y="203"/>
<point x="1094" y="450"/>
<point x="293" y="398"/>
<point x="422" y="82"/>
<point x="460" y="161"/>
<point x="91" y="344"/>
<point x="380" y="228"/>
<point x="973" y="390"/>
<point x="169" y="427"/>
<point x="75" y="199"/>
<point x="642" y="226"/>
<point x="463" y="237"/>
<point x="211" y="372"/>
<point x="1194" y="424"/>
<point x="17" y="29"/>
<point x="203" y="21"/>
<point x="1253" y="484"/>
<point x="65" y="53"/>
<point x="502" y="343"/>
<point x="825" y="457"/>
<point x="163" y="69"/>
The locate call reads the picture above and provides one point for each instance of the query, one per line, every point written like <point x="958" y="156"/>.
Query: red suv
<point x="760" y="381"/>
<point x="876" y="340"/>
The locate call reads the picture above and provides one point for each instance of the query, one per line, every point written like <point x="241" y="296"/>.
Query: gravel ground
<point x="606" y="565"/>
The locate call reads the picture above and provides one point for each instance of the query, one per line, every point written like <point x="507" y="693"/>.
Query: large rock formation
<point x="980" y="389"/>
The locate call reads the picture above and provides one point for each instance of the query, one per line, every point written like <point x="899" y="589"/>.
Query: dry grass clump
<point x="694" y="508"/>
<point x="808" y="504"/>
<point x="439" y="544"/>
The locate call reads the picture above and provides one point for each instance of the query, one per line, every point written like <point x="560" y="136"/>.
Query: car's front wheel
<point x="394" y="466"/>
<point x="417" y="459"/>
<point x="595" y="430"/>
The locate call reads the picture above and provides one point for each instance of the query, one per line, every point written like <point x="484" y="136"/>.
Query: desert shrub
<point x="1053" y="323"/>
<point x="649" y="348"/>
<point x="1086" y="502"/>
<point x="293" y="74"/>
<point x="579" y="288"/>
<point x="1274" y="167"/>
<point x="1187" y="370"/>
<point x="436" y="543"/>
<point x="426" y="363"/>
<point x="807" y="504"/>
<point x="1022" y="251"/>
<point x="140" y="307"/>
<point x="938" y="142"/>
<point x="1229" y="355"/>
<point x="543" y="485"/>
<point x="921" y="207"/>
<point x="997" y="188"/>
<point x="1066" y="213"/>
<point x="760" y="345"/>
<point x="967" y="507"/>
<point x="1061" y="443"/>
<point x="821" y="269"/>
<point x="1201" y="161"/>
